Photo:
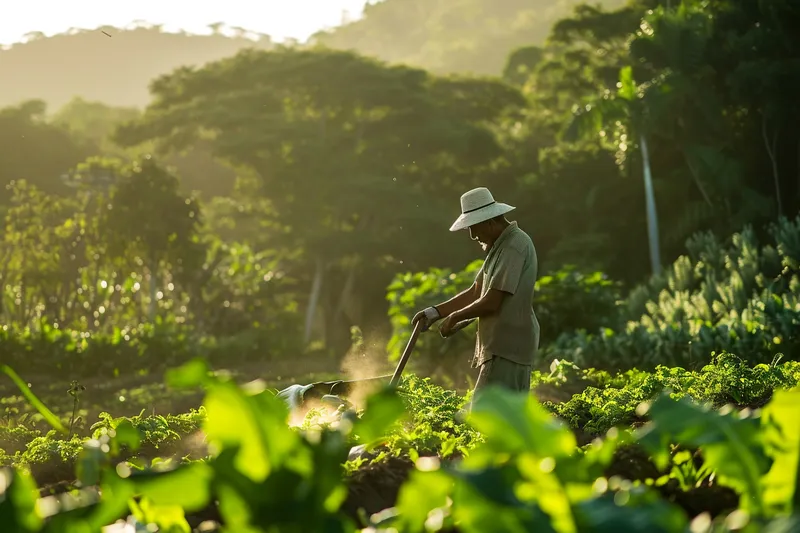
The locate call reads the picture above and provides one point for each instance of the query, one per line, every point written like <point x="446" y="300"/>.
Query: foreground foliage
<point x="512" y="462"/>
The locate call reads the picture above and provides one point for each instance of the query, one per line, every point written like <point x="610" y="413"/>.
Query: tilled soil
<point x="375" y="487"/>
<point x="632" y="462"/>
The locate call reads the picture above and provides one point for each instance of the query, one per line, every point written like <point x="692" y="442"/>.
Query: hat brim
<point x="481" y="215"/>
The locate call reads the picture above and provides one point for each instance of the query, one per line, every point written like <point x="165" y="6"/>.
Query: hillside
<point x="451" y="35"/>
<point x="443" y="36"/>
<point x="114" y="70"/>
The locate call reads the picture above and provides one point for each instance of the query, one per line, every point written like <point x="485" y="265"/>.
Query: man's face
<point x="480" y="232"/>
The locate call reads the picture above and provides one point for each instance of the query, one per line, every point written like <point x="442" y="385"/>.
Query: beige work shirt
<point x="511" y="266"/>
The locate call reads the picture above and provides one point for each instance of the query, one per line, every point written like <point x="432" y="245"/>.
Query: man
<point x="501" y="298"/>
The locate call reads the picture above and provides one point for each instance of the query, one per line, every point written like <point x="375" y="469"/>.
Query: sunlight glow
<point x="297" y="19"/>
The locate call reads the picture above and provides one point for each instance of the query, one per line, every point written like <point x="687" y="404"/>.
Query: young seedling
<point x="75" y="390"/>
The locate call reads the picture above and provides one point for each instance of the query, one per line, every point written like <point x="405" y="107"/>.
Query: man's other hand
<point x="446" y="329"/>
<point x="426" y="318"/>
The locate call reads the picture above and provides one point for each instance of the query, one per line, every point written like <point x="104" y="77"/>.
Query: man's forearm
<point x="459" y="301"/>
<point x="477" y="309"/>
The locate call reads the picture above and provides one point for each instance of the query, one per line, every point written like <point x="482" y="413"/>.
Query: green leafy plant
<point x="738" y="297"/>
<point x="605" y="400"/>
<point x="75" y="391"/>
<point x="521" y="467"/>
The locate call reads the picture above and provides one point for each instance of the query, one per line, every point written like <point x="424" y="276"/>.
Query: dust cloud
<point x="367" y="358"/>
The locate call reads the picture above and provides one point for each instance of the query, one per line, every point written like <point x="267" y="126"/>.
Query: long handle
<point x="406" y="354"/>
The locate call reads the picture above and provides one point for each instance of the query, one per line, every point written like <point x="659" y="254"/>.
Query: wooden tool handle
<point x="406" y="354"/>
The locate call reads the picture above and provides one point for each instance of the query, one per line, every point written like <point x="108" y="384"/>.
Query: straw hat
<point x="478" y="205"/>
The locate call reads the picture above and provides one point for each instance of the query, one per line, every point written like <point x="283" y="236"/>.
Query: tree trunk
<point x="652" y="216"/>
<point x="697" y="179"/>
<point x="771" y="152"/>
<point x="316" y="285"/>
<point x="153" y="281"/>
<point x="5" y="315"/>
<point x="95" y="280"/>
<point x="337" y="329"/>
<point x="23" y="291"/>
<point x="313" y="299"/>
<point x="349" y="284"/>
<point x="346" y="290"/>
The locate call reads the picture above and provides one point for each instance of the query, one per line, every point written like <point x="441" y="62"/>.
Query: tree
<point x="687" y="112"/>
<point x="33" y="150"/>
<point x="521" y="64"/>
<point x="758" y="50"/>
<point x="149" y="221"/>
<point x="30" y="267"/>
<point x="346" y="148"/>
<point x="626" y="116"/>
<point x="95" y="122"/>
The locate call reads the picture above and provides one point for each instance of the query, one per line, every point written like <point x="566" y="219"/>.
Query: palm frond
<point x="593" y="118"/>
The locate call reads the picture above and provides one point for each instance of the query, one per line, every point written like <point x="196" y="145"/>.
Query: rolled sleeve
<point x="479" y="275"/>
<point x="507" y="271"/>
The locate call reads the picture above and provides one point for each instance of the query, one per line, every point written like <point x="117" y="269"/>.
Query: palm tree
<point x="685" y="109"/>
<point x="623" y="113"/>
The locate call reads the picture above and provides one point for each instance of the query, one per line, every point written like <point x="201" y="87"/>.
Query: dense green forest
<point x="278" y="213"/>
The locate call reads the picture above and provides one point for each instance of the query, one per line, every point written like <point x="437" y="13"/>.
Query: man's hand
<point x="426" y="318"/>
<point x="488" y="305"/>
<point x="447" y="326"/>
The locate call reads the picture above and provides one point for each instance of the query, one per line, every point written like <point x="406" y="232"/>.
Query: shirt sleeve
<point x="479" y="275"/>
<point x="507" y="271"/>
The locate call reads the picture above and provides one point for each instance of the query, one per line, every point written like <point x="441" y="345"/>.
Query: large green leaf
<point x="627" y="85"/>
<point x="517" y="426"/>
<point x="517" y="423"/>
<point x="635" y="510"/>
<point x="17" y="502"/>
<point x="731" y="445"/>
<point x="424" y="494"/>
<point x="186" y="486"/>
<point x="48" y="415"/>
<point x="486" y="500"/>
<point x="383" y="409"/>
<point x="255" y="425"/>
<point x="781" y="427"/>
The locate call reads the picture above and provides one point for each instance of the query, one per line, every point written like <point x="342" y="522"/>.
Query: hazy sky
<point x="278" y="18"/>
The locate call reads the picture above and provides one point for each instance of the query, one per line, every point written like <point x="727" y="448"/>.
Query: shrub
<point x="148" y="348"/>
<point x="741" y="298"/>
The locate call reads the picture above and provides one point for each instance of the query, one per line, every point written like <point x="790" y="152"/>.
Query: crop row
<point x="418" y="442"/>
<point x="589" y="401"/>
